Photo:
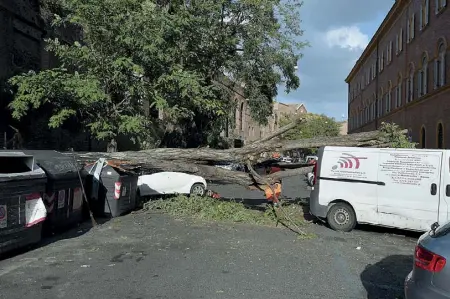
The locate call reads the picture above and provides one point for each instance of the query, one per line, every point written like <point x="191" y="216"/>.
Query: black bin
<point x="114" y="194"/>
<point x="64" y="194"/>
<point x="22" y="210"/>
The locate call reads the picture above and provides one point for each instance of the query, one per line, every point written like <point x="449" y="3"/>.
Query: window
<point x="381" y="62"/>
<point x="424" y="14"/>
<point x="440" y="5"/>
<point x="400" y="40"/>
<point x="440" y="136"/>
<point x="439" y="67"/>
<point x="410" y="28"/>
<point x="422" y="77"/>
<point x="389" y="52"/>
<point x="372" y="106"/>
<point x="398" y="92"/>
<point x="241" y="117"/>
<point x="380" y="103"/>
<point x="423" y="137"/>
<point x="410" y="85"/>
<point x="388" y="97"/>
<point x="366" y="114"/>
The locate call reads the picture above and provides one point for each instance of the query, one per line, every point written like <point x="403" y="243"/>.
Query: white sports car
<point x="171" y="183"/>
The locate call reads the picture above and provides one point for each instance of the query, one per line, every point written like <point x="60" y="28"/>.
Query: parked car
<point x="311" y="159"/>
<point x="171" y="183"/>
<point x="430" y="276"/>
<point x="401" y="188"/>
<point x="310" y="178"/>
<point x="286" y="159"/>
<point x="230" y="166"/>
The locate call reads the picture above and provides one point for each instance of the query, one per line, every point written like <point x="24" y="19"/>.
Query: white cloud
<point x="332" y="54"/>
<point x="346" y="37"/>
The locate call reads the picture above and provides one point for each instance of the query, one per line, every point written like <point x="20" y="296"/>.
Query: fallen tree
<point x="201" y="161"/>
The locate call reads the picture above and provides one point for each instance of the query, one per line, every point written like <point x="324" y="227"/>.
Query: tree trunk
<point x="200" y="161"/>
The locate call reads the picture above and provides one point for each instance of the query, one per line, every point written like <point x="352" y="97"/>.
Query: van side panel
<point x="347" y="174"/>
<point x="409" y="199"/>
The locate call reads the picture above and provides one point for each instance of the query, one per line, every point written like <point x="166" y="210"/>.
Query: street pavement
<point x="150" y="255"/>
<point x="293" y="188"/>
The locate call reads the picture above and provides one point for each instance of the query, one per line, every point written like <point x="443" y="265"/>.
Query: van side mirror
<point x="447" y="190"/>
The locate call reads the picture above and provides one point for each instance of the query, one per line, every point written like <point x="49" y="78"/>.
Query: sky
<point x="337" y="31"/>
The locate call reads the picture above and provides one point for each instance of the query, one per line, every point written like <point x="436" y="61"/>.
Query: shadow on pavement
<point x="47" y="238"/>
<point x="385" y="279"/>
<point x="388" y="230"/>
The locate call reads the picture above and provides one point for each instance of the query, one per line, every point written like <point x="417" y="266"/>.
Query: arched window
<point x="388" y="98"/>
<point x="398" y="91"/>
<point x="423" y="137"/>
<point x="439" y="67"/>
<point x="423" y="77"/>
<point x="241" y="117"/>
<point x="440" y="136"/>
<point x="410" y="84"/>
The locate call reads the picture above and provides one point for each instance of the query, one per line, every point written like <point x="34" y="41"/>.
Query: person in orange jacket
<point x="269" y="194"/>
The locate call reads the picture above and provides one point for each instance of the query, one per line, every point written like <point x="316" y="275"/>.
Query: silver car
<point x="430" y="277"/>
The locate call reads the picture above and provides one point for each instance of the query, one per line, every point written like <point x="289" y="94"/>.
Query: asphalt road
<point x="293" y="187"/>
<point x="142" y="256"/>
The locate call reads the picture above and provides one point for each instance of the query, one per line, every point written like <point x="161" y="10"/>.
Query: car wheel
<point x="341" y="217"/>
<point x="198" y="189"/>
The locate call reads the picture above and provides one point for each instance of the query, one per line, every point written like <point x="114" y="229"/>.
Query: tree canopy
<point x="182" y="57"/>
<point x="316" y="126"/>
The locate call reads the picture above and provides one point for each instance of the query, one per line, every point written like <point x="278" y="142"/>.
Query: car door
<point x="154" y="184"/>
<point x="179" y="183"/>
<point x="409" y="195"/>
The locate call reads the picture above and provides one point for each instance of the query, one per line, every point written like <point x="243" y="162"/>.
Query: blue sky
<point x="338" y="31"/>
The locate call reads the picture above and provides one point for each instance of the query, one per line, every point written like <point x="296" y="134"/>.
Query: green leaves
<point x="173" y="56"/>
<point x="315" y="126"/>
<point x="395" y="136"/>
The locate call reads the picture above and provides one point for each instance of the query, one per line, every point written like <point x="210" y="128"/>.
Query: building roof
<point x="385" y="26"/>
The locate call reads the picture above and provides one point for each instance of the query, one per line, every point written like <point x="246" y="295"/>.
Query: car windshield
<point x="442" y="230"/>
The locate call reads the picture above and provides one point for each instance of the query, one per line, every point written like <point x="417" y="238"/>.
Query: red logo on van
<point x="349" y="161"/>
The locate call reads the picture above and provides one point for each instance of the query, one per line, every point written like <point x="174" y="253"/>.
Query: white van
<point x="401" y="188"/>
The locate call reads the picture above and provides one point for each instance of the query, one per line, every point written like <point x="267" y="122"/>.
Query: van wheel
<point x="198" y="189"/>
<point x="341" y="217"/>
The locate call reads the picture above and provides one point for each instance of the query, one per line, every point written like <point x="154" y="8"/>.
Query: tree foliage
<point x="182" y="57"/>
<point x="316" y="125"/>
<point x="395" y="136"/>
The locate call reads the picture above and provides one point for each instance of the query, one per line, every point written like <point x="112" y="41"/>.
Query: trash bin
<point x="22" y="209"/>
<point x="63" y="196"/>
<point x="115" y="193"/>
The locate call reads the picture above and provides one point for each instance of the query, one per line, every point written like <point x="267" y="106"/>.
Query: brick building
<point x="403" y="74"/>
<point x="245" y="129"/>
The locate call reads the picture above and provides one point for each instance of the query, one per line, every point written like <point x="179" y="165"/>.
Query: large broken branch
<point x="200" y="161"/>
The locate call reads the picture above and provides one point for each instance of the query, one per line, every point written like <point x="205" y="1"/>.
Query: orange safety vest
<point x="269" y="194"/>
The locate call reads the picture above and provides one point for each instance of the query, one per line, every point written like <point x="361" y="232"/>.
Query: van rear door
<point x="409" y="195"/>
<point x="444" y="213"/>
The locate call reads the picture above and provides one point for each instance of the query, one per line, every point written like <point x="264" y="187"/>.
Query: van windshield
<point x="442" y="230"/>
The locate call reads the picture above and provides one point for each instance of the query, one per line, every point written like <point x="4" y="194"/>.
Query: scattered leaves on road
<point x="206" y="208"/>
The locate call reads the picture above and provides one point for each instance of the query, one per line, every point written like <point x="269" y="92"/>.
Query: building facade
<point x="403" y="74"/>
<point x="246" y="129"/>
